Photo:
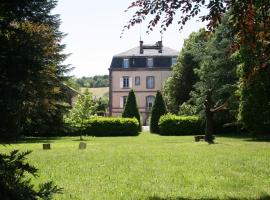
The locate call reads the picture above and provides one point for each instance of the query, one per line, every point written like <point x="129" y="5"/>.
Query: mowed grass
<point x="153" y="167"/>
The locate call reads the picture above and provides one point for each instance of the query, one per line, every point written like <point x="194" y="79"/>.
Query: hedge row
<point x="111" y="126"/>
<point x="180" y="125"/>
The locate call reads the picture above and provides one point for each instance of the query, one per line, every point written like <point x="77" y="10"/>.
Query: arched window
<point x="149" y="102"/>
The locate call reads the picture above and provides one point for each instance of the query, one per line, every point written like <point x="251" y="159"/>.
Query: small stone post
<point x="46" y="146"/>
<point x="82" y="145"/>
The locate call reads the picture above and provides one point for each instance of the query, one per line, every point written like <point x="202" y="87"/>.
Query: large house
<point x="144" y="69"/>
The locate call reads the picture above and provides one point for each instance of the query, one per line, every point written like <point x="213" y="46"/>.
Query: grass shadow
<point x="263" y="197"/>
<point x="83" y="140"/>
<point x="236" y="135"/>
<point x="267" y="139"/>
<point x="32" y="140"/>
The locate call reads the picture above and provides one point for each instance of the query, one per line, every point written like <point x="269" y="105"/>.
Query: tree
<point x="101" y="105"/>
<point x="94" y="82"/>
<point x="31" y="69"/>
<point x="178" y="87"/>
<point x="250" y="20"/>
<point x="72" y="82"/>
<point x="157" y="111"/>
<point x="131" y="109"/>
<point x="254" y="108"/>
<point x="216" y="71"/>
<point x="14" y="184"/>
<point x="83" y="109"/>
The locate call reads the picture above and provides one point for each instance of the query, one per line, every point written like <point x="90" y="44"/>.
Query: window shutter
<point x="121" y="82"/>
<point x="121" y="102"/>
<point x="130" y="82"/>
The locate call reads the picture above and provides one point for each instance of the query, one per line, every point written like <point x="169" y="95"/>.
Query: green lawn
<point x="154" y="167"/>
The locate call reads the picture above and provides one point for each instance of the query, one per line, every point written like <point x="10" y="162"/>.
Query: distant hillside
<point x="93" y="82"/>
<point x="98" y="92"/>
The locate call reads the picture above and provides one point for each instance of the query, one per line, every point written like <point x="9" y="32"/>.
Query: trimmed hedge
<point x="180" y="125"/>
<point x="111" y="126"/>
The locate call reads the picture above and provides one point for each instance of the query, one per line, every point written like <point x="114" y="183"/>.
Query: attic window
<point x="150" y="62"/>
<point x="126" y="63"/>
<point x="173" y="61"/>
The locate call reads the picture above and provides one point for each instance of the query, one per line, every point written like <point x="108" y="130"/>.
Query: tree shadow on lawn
<point x="247" y="137"/>
<point x="31" y="140"/>
<point x="263" y="197"/>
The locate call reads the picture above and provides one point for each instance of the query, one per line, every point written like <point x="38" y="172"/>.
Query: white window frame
<point x="123" y="101"/>
<point x="150" y="82"/>
<point x="149" y="102"/>
<point x="150" y="62"/>
<point x="174" y="59"/>
<point x="137" y="80"/>
<point x="125" y="82"/>
<point x="125" y="63"/>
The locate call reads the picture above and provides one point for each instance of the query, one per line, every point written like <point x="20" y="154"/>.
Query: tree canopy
<point x="249" y="22"/>
<point x="250" y="19"/>
<point x="31" y="69"/>
<point x="93" y="82"/>
<point x="178" y="87"/>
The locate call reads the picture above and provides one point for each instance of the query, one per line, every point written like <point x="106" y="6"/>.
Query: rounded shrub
<point x="180" y="125"/>
<point x="110" y="126"/>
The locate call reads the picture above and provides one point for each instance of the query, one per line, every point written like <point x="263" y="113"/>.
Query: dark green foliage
<point x="30" y="66"/>
<point x="93" y="82"/>
<point x="180" y="125"/>
<point x="14" y="184"/>
<point x="178" y="86"/>
<point x="72" y="82"/>
<point x="158" y="110"/>
<point x="109" y="126"/>
<point x="254" y="109"/>
<point x="101" y="105"/>
<point x="131" y="109"/>
<point x="216" y="71"/>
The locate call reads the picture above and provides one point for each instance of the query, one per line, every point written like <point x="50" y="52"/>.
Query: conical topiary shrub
<point x="131" y="109"/>
<point x="158" y="110"/>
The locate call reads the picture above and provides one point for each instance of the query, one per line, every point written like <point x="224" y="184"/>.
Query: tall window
<point x="173" y="61"/>
<point x="123" y="101"/>
<point x="150" y="82"/>
<point x="125" y="82"/>
<point x="149" y="102"/>
<point x="126" y="63"/>
<point x="150" y="62"/>
<point x="137" y="80"/>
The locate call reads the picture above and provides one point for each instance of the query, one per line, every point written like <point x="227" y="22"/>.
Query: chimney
<point x="159" y="46"/>
<point x="141" y="47"/>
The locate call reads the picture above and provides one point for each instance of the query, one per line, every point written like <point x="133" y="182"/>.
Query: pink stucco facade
<point x="141" y="90"/>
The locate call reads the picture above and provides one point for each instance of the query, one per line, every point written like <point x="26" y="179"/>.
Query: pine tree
<point x="31" y="69"/>
<point x="158" y="110"/>
<point x="131" y="109"/>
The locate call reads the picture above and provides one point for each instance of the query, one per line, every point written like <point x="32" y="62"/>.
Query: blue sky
<point x="94" y="29"/>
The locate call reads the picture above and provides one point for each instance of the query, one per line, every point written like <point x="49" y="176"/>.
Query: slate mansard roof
<point x="137" y="59"/>
<point x="166" y="51"/>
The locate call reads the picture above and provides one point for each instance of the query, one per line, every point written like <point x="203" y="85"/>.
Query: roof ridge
<point x="135" y="51"/>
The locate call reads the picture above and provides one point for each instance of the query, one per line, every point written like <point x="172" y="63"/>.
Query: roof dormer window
<point x="150" y="62"/>
<point x="126" y="63"/>
<point x="173" y="60"/>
